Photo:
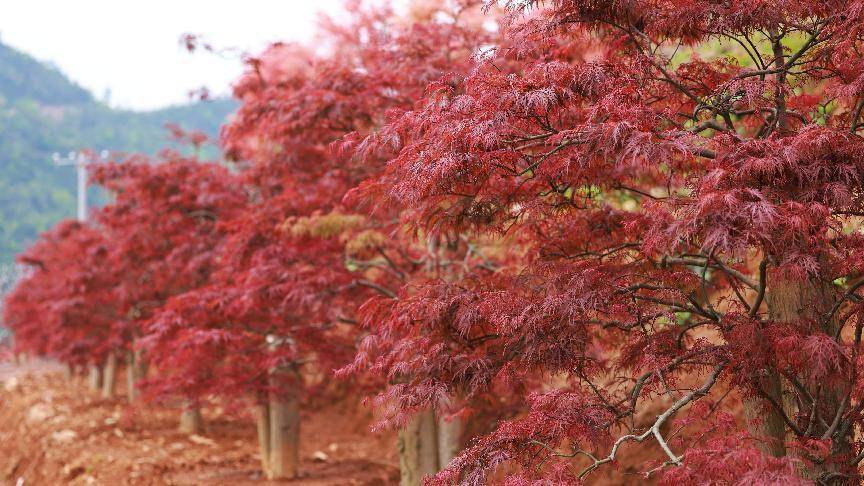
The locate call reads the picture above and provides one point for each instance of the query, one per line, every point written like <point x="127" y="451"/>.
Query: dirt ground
<point x="54" y="431"/>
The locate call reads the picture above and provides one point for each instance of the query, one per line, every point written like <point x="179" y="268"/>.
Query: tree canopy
<point x="589" y="225"/>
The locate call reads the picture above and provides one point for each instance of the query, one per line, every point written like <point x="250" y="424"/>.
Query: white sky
<point x="132" y="46"/>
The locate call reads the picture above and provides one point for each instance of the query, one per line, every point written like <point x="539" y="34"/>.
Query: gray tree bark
<point x="284" y="436"/>
<point x="94" y="379"/>
<point x="418" y="449"/>
<point x="191" y="421"/>
<point x="262" y="412"/>
<point x="109" y="377"/>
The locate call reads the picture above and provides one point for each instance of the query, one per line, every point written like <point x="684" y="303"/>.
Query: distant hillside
<point x="41" y="112"/>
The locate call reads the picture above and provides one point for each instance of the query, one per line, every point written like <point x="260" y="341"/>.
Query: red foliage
<point x="165" y="226"/>
<point x="613" y="214"/>
<point x="298" y="263"/>
<point x="678" y="219"/>
<point x="64" y="308"/>
<point x="729" y="460"/>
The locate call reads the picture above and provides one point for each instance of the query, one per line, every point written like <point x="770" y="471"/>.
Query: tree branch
<point x="374" y="286"/>
<point x="655" y="428"/>
<point x="763" y="276"/>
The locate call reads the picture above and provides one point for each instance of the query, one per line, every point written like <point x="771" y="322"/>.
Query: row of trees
<point x="580" y="225"/>
<point x="41" y="112"/>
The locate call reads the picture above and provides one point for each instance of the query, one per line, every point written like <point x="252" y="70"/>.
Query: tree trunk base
<point x="191" y="421"/>
<point x="284" y="437"/>
<point x="109" y="378"/>
<point x="94" y="380"/>
<point x="135" y="372"/>
<point x="262" y="413"/>
<point x="449" y="440"/>
<point x="418" y="449"/>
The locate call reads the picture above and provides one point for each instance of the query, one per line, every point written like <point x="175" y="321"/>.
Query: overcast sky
<point x="132" y="47"/>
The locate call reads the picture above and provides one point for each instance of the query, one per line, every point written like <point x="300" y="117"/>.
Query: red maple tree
<point x="683" y="182"/>
<point x="298" y="262"/>
<point x="163" y="227"/>
<point x="630" y="220"/>
<point x="63" y="307"/>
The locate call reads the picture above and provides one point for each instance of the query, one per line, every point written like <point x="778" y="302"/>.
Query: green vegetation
<point x="41" y="112"/>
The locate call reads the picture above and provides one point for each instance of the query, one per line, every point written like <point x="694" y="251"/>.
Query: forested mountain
<point x="41" y="112"/>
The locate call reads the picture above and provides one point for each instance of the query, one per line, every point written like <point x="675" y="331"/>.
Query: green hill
<point x="42" y="112"/>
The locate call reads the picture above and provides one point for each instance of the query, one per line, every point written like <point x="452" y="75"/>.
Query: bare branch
<point x="655" y="428"/>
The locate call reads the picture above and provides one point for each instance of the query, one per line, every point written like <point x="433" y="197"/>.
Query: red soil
<point x="54" y="431"/>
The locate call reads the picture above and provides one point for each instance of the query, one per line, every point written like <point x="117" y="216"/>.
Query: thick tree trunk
<point x="284" y="436"/>
<point x="796" y="301"/>
<point x="449" y="440"/>
<point x="792" y="300"/>
<point x="428" y="452"/>
<point x="765" y="421"/>
<point x="418" y="449"/>
<point x="284" y="417"/>
<point x="109" y="377"/>
<point x="788" y="300"/>
<point x="262" y="412"/>
<point x="191" y="421"/>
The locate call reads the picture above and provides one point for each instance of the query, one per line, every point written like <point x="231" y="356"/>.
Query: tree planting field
<point x="555" y="242"/>
<point x="53" y="431"/>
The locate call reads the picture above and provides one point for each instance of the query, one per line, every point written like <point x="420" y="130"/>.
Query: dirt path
<point x="9" y="369"/>
<point x="53" y="431"/>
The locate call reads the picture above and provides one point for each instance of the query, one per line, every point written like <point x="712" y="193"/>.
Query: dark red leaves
<point x="594" y="224"/>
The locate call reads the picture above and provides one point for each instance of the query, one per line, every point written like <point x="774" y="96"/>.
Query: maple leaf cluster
<point x="592" y="226"/>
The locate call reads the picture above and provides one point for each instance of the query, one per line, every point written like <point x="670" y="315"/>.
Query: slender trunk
<point x="263" y="422"/>
<point x="109" y="377"/>
<point x="95" y="378"/>
<point x="284" y="435"/>
<point x="191" y="421"/>
<point x="408" y="444"/>
<point x="418" y="449"/>
<point x="131" y="379"/>
<point x="427" y="444"/>
<point x="764" y="411"/>
<point x="135" y="372"/>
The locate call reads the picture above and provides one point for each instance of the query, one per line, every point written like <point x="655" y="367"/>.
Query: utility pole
<point x="79" y="160"/>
